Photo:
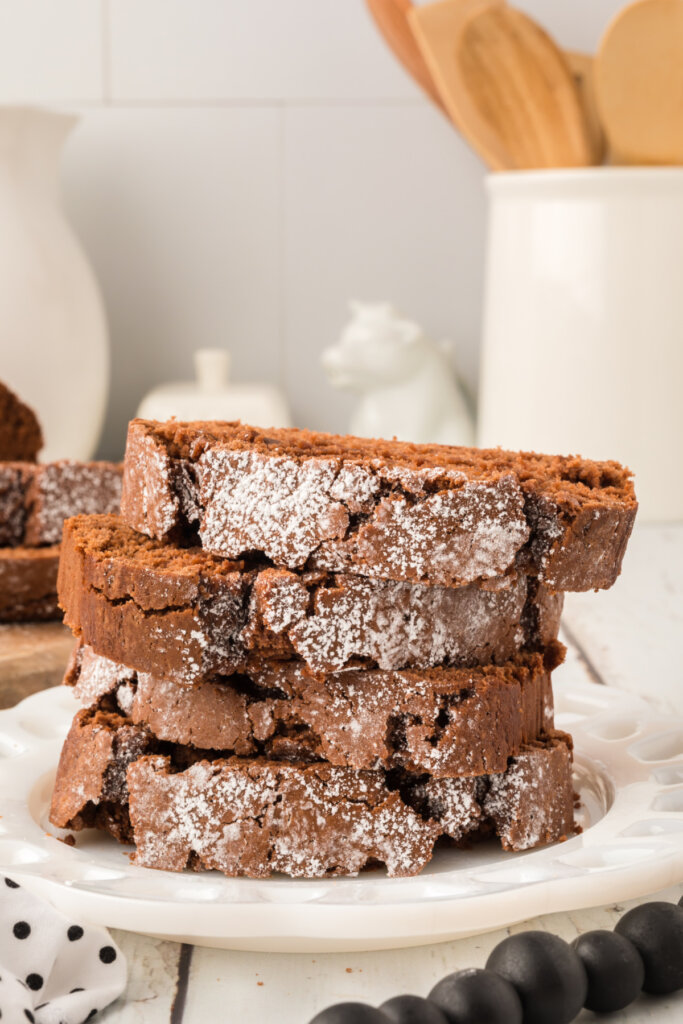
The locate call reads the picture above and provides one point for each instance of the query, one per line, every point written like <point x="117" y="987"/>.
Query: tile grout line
<point x="182" y="983"/>
<point x="245" y="102"/>
<point x="582" y="655"/>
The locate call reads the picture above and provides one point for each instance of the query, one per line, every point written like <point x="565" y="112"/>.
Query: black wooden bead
<point x="350" y="1013"/>
<point x="547" y="974"/>
<point x="614" y="969"/>
<point x="412" y="1010"/>
<point x="656" y="930"/>
<point x="474" y="996"/>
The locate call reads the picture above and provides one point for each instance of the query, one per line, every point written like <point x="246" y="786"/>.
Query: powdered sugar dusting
<point x="98" y="676"/>
<point x="275" y="505"/>
<point x="63" y="489"/>
<point x="532" y="802"/>
<point x="398" y="625"/>
<point x="148" y="490"/>
<point x="12" y="504"/>
<point x="257" y="818"/>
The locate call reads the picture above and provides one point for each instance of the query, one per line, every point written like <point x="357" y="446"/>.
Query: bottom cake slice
<point x="252" y="816"/>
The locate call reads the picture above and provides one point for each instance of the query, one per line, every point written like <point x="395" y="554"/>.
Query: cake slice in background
<point x="21" y="437"/>
<point x="34" y="502"/>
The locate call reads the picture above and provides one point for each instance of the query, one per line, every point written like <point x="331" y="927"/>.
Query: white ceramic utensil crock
<point x="53" y="336"/>
<point x="583" y="327"/>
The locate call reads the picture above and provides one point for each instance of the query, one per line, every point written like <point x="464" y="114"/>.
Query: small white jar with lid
<point x="212" y="397"/>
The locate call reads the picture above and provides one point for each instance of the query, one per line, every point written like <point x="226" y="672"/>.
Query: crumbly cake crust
<point x="255" y="817"/>
<point x="28" y="584"/>
<point x="185" y="615"/>
<point x="384" y="509"/>
<point x="35" y="500"/>
<point x="447" y="722"/>
<point x="20" y="435"/>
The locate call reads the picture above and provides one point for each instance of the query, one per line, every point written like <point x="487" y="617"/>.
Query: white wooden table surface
<point x="629" y="637"/>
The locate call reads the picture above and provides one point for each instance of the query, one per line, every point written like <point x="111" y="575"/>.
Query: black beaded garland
<point x="656" y="930"/>
<point x="350" y="1013"/>
<point x="546" y="972"/>
<point x="412" y="1010"/>
<point x="614" y="968"/>
<point x="537" y="978"/>
<point x="474" y="996"/>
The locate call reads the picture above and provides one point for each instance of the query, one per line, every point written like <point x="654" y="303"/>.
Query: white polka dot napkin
<point x="52" y="971"/>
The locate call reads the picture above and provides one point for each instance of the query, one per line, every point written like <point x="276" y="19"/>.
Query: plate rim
<point x="316" y="924"/>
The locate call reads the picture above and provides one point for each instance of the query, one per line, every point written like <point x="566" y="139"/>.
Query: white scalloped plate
<point x="629" y="773"/>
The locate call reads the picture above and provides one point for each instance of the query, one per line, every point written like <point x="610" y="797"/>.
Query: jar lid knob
<point x="212" y="367"/>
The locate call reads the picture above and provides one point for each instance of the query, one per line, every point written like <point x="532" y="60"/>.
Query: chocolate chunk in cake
<point x="529" y="804"/>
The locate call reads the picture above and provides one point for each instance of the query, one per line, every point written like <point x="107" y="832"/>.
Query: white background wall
<point x="244" y="167"/>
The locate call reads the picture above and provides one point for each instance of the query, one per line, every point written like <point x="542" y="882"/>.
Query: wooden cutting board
<point x="33" y="656"/>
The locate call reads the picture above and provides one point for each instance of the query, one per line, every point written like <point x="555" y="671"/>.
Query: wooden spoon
<point x="639" y="83"/>
<point x="437" y="29"/>
<point x="504" y="82"/>
<point x="391" y="17"/>
<point x="582" y="67"/>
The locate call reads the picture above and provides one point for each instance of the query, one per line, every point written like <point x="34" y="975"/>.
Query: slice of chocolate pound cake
<point x="28" y="584"/>
<point x="187" y="808"/>
<point x="183" y="614"/>
<point x="34" y="502"/>
<point x="20" y="435"/>
<point x="385" y="509"/>
<point x="445" y="722"/>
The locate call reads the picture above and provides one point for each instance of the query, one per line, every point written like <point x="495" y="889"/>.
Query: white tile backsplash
<point x="51" y="51"/>
<point x="250" y="50"/>
<point x="380" y="203"/>
<point x="179" y="211"/>
<point x="244" y="167"/>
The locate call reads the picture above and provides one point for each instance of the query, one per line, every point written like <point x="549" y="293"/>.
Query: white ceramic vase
<point x="53" y="334"/>
<point x="583" y="332"/>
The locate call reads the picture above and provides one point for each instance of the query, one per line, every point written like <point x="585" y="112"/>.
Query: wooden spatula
<point x="391" y="17"/>
<point x="639" y="83"/>
<point x="504" y="82"/>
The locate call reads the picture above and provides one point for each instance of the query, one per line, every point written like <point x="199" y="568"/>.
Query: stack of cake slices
<point x="311" y="654"/>
<point x="34" y="502"/>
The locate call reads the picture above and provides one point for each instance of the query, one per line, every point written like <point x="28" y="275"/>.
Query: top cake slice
<point x="388" y="509"/>
<point x="20" y="435"/>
